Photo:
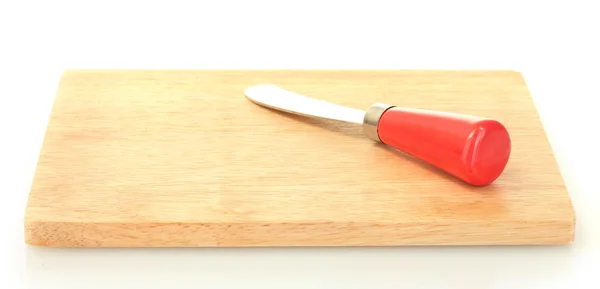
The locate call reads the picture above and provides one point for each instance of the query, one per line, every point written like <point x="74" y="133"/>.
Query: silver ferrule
<point x="371" y="120"/>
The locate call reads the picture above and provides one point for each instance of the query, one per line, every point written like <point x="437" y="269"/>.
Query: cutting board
<point x="135" y="158"/>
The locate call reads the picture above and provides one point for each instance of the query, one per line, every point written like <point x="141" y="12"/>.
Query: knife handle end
<point x="474" y="149"/>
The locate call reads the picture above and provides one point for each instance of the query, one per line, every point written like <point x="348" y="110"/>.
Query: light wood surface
<point x="182" y="158"/>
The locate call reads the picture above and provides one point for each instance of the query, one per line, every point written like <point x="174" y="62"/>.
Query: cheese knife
<point x="472" y="148"/>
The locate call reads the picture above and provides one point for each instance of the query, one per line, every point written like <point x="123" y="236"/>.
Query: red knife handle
<point x="471" y="148"/>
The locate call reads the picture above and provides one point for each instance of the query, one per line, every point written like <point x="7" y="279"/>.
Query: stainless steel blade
<point x="275" y="97"/>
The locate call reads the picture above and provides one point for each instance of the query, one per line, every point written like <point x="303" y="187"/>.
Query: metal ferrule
<point x="371" y="120"/>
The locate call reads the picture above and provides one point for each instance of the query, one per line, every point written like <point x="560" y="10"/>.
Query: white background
<point x="553" y="44"/>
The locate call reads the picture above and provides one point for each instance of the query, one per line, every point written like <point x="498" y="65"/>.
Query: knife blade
<point x="275" y="97"/>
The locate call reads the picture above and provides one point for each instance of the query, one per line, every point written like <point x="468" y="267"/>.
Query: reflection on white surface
<point x="421" y="267"/>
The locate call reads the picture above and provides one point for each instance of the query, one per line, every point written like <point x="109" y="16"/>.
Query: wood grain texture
<point x="182" y="158"/>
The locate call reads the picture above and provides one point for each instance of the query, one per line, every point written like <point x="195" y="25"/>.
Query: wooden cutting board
<point x="182" y="158"/>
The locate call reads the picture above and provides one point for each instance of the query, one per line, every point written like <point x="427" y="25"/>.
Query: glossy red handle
<point x="473" y="149"/>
